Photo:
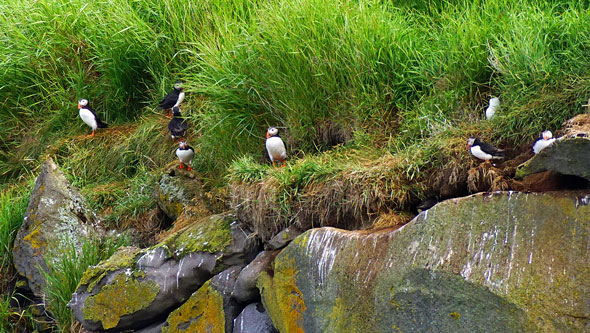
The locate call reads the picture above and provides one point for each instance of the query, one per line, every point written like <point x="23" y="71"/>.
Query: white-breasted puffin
<point x="494" y="105"/>
<point x="177" y="125"/>
<point x="89" y="117"/>
<point x="543" y="142"/>
<point x="185" y="154"/>
<point x="275" y="146"/>
<point x="484" y="151"/>
<point x="174" y="98"/>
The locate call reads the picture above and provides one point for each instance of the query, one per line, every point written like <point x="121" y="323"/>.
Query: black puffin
<point x="483" y="151"/>
<point x="275" y="146"/>
<point x="185" y="154"/>
<point x="174" y="98"/>
<point x="543" y="142"/>
<point x="177" y="125"/>
<point x="89" y="117"/>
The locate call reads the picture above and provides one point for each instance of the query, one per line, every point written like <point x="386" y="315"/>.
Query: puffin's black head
<point x="271" y="131"/>
<point x="182" y="144"/>
<point x="82" y="103"/>
<point x="547" y="135"/>
<point x="472" y="141"/>
<point x="176" y="111"/>
<point x="178" y="85"/>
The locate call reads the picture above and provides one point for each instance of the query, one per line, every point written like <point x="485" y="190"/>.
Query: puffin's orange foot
<point x="188" y="168"/>
<point x="273" y="164"/>
<point x="181" y="166"/>
<point x="90" y="135"/>
<point x="283" y="165"/>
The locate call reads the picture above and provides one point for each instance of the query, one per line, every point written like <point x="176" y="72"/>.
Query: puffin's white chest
<point x="276" y="149"/>
<point x="490" y="111"/>
<point x="88" y="118"/>
<point x="477" y="152"/>
<point x="185" y="155"/>
<point x="180" y="99"/>
<point x="542" y="144"/>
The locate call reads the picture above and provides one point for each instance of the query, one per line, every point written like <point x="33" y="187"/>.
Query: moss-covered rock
<point x="179" y="189"/>
<point x="504" y="262"/>
<point x="57" y="218"/>
<point x="135" y="287"/>
<point x="566" y="156"/>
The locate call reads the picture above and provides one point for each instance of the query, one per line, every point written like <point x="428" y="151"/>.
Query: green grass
<point x="67" y="270"/>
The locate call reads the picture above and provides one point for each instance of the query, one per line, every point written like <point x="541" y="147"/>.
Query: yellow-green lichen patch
<point x="282" y="298"/>
<point x="211" y="234"/>
<point x="123" y="258"/>
<point x="202" y="312"/>
<point x="35" y="239"/>
<point x="126" y="295"/>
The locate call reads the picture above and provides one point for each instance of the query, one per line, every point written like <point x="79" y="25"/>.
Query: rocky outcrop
<point x="505" y="262"/>
<point x="568" y="156"/>
<point x="57" y="218"/>
<point x="179" y="189"/>
<point x="254" y="319"/>
<point x="245" y="290"/>
<point x="135" y="288"/>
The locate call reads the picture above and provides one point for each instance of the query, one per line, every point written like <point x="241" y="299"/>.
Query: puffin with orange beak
<point x="89" y="117"/>
<point x="185" y="154"/>
<point x="275" y="146"/>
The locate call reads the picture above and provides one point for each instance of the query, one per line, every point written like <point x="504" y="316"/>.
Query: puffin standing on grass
<point x="543" y="142"/>
<point x="275" y="146"/>
<point x="185" y="154"/>
<point x="177" y="125"/>
<point x="491" y="110"/>
<point x="174" y="98"/>
<point x="483" y="151"/>
<point x="89" y="117"/>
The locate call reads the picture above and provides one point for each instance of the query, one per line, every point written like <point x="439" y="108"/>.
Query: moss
<point x="35" y="239"/>
<point x="126" y="295"/>
<point x="282" y="298"/>
<point x="211" y="234"/>
<point x="202" y="312"/>
<point x="455" y="315"/>
<point x="123" y="258"/>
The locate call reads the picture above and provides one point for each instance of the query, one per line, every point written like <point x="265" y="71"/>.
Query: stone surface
<point x="501" y="262"/>
<point x="57" y="218"/>
<point x="245" y="290"/>
<point x="568" y="156"/>
<point x="283" y="238"/>
<point x="254" y="319"/>
<point x="177" y="190"/>
<point x="134" y="288"/>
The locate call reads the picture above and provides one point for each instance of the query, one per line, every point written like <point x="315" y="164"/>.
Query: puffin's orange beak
<point x="267" y="135"/>
<point x="79" y="106"/>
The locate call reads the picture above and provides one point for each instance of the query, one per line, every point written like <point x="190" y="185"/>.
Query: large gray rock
<point x="568" y="156"/>
<point x="135" y="288"/>
<point x="57" y="218"/>
<point x="283" y="238"/>
<point x="501" y="262"/>
<point x="245" y="290"/>
<point x="178" y="190"/>
<point x="254" y="319"/>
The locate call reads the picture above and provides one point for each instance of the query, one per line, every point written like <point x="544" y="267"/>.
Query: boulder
<point x="254" y="319"/>
<point x="57" y="218"/>
<point x="135" y="288"/>
<point x="283" y="238"/>
<point x="568" y="156"/>
<point x="179" y="189"/>
<point x="245" y="290"/>
<point x="500" y="262"/>
<point x="209" y="309"/>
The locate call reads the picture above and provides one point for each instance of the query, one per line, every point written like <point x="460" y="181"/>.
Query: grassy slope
<point x="374" y="98"/>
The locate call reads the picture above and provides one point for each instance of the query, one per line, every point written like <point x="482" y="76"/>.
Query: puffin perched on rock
<point x="89" y="117"/>
<point x="275" y="146"/>
<point x="177" y="125"/>
<point x="494" y="105"/>
<point x="174" y="98"/>
<point x="185" y="154"/>
<point x="483" y="151"/>
<point x="543" y="142"/>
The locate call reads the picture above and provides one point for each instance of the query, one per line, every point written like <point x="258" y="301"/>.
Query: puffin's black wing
<point x="170" y="99"/>
<point x="488" y="148"/>
<point x="99" y="122"/>
<point x="177" y="126"/>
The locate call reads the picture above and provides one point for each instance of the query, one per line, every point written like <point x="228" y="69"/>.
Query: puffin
<point x="174" y="98"/>
<point x="185" y="154"/>
<point x="275" y="146"/>
<point x="494" y="105"/>
<point x="427" y="204"/>
<point x="177" y="125"/>
<point x="89" y="117"/>
<point x="483" y="151"/>
<point x="543" y="142"/>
